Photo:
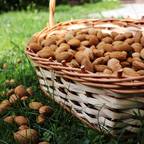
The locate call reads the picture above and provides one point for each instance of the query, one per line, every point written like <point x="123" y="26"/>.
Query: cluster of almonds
<point x="19" y="93"/>
<point x="97" y="51"/>
<point x="25" y="134"/>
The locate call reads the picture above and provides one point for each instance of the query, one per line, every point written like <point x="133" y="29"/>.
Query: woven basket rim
<point x="87" y="22"/>
<point x="89" y="78"/>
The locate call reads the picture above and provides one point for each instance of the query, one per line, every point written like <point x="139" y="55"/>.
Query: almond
<point x="141" y="72"/>
<point x="138" y="65"/>
<point x="74" y="42"/>
<point x="40" y="119"/>
<point x="30" y="91"/>
<point x="92" y="31"/>
<point x="120" y="37"/>
<point x="43" y="143"/>
<point x="81" y="37"/>
<point x="46" y="53"/>
<point x="87" y="64"/>
<point x="48" y="42"/>
<point x="20" y="120"/>
<point x="101" y="60"/>
<point x="20" y="91"/>
<point x="122" y="47"/>
<point x="35" y="47"/>
<point x="10" y="92"/>
<point x="130" y="40"/>
<point x="114" y="64"/>
<point x="93" y="40"/>
<point x="35" y="105"/>
<point x="142" y="41"/>
<point x="23" y="127"/>
<point x="138" y="36"/>
<point x="128" y="34"/>
<point x="13" y="98"/>
<point x="107" y="40"/>
<point x="100" y="68"/>
<point x="26" y="136"/>
<point x="99" y="35"/>
<point x="118" y="55"/>
<point x="9" y="119"/>
<point x="68" y="56"/>
<point x="45" y="110"/>
<point x="137" y="47"/>
<point x="130" y="72"/>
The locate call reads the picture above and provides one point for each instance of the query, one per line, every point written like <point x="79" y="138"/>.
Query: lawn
<point x="61" y="127"/>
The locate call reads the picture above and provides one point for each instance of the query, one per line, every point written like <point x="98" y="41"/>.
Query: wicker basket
<point x="103" y="102"/>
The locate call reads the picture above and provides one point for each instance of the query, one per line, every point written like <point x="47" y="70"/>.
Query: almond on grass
<point x="10" y="92"/>
<point x="35" y="105"/>
<point x="30" y="91"/>
<point x="43" y="142"/>
<point x="21" y="120"/>
<point x="40" y="119"/>
<point x="4" y="105"/>
<point x="24" y="98"/>
<point x="45" y="109"/>
<point x="9" y="119"/>
<point x="13" y="98"/>
<point x="6" y="102"/>
<point x="23" y="127"/>
<point x="26" y="136"/>
<point x="20" y="91"/>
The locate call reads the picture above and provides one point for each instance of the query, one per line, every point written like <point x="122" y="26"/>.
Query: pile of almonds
<point x="97" y="51"/>
<point x="25" y="134"/>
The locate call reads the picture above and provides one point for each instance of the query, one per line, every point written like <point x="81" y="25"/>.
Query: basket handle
<point x="52" y="4"/>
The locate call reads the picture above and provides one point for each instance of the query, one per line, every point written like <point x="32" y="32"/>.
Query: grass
<point x="60" y="128"/>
